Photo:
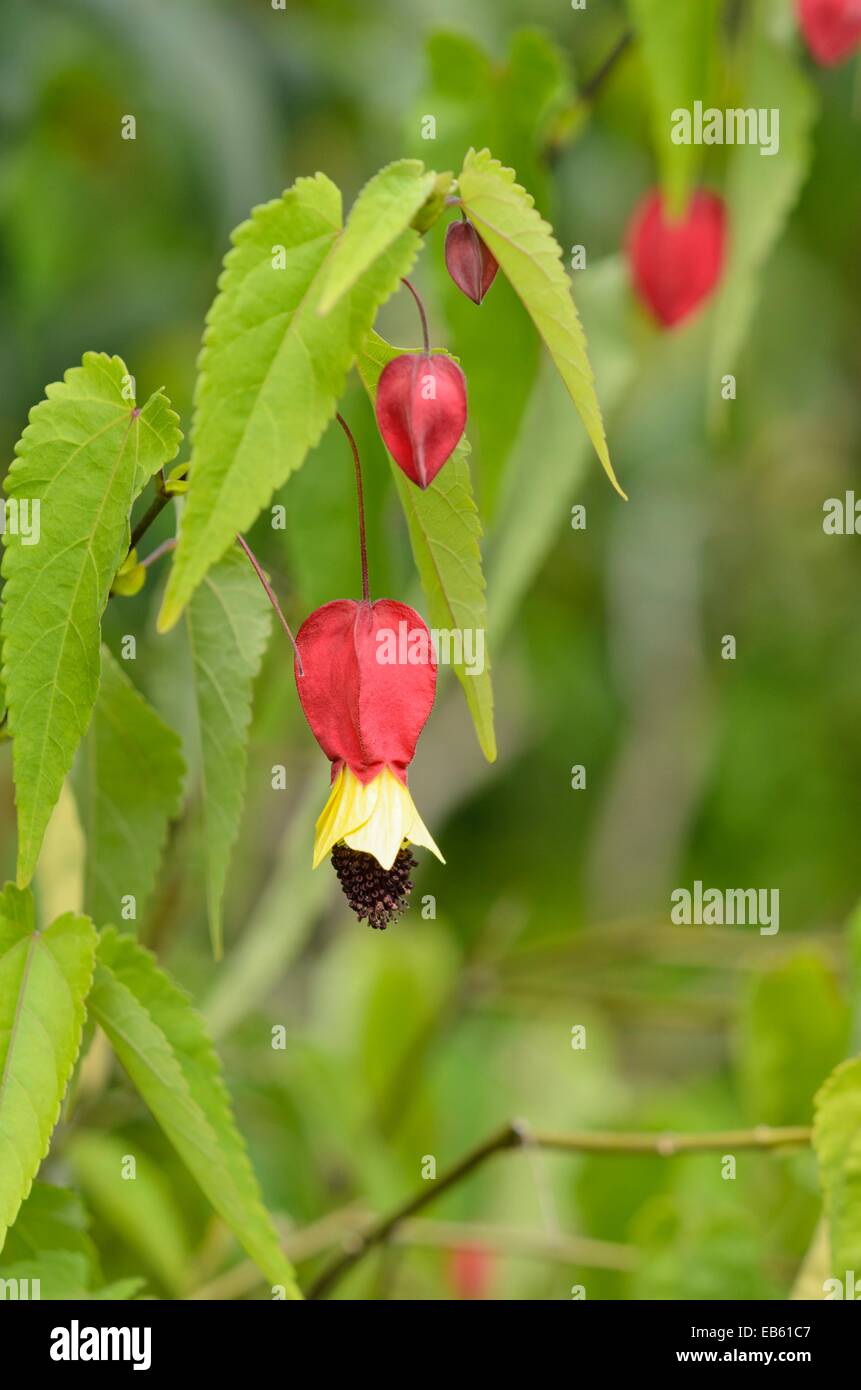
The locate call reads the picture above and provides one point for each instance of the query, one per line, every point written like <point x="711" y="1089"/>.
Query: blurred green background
<point x="553" y="908"/>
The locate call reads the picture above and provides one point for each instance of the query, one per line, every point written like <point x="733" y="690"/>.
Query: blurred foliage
<point x="553" y="907"/>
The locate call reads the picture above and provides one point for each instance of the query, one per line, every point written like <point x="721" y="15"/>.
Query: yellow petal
<point x="375" y="818"/>
<point x="349" y="805"/>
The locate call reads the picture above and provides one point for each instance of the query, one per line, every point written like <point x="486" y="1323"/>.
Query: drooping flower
<point x="675" y="264"/>
<point x="831" y="28"/>
<point x="367" y="687"/>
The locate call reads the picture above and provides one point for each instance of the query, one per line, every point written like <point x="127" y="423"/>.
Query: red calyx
<point x="676" y="264"/>
<point x="471" y="265"/>
<point x="831" y="28"/>
<point x="365" y="712"/>
<point x="421" y="412"/>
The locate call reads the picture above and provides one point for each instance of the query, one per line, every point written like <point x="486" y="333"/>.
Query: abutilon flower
<point x="366" y="713"/>
<point x="421" y="407"/>
<point x="421" y="412"/>
<point x="675" y="264"/>
<point x="470" y="263"/>
<point x="831" y="28"/>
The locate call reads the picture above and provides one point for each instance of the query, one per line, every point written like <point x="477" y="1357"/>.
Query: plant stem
<point x="169" y="544"/>
<point x="593" y="84"/>
<point x="154" y="510"/>
<point x="517" y="1136"/>
<point x="568" y="119"/>
<point x="424" y="318"/>
<point x="272" y="597"/>
<point x="360" y="499"/>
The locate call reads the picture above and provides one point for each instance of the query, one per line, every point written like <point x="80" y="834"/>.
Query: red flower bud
<point x="676" y="264"/>
<point x="365" y="712"/>
<point x="471" y="265"/>
<point x="421" y="412"/>
<point x="831" y="28"/>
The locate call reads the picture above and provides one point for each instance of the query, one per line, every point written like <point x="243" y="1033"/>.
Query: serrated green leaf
<point x="382" y="212"/>
<point x="678" y="41"/>
<point x="760" y="193"/>
<point x="84" y="455"/>
<point x="529" y="255"/>
<point x="228" y="622"/>
<point x="837" y="1141"/>
<point x="128" y="783"/>
<point x="162" y="1042"/>
<point x="141" y="1209"/>
<point x="44" y="980"/>
<point x="445" y="531"/>
<point x="271" y="369"/>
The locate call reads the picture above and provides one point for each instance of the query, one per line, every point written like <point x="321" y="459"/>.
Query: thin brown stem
<point x="421" y="308"/>
<point x="154" y="510"/>
<point x="569" y="118"/>
<point x="593" y="84"/>
<point x="517" y="1136"/>
<point x="272" y="597"/>
<point x="360" y="499"/>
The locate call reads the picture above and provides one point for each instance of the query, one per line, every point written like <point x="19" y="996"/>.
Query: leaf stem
<point x="168" y="545"/>
<point x="272" y="597"/>
<point x="593" y="84"/>
<point x="421" y="308"/>
<point x="516" y="1135"/>
<point x="153" y="511"/>
<point x="568" y="118"/>
<point x="360" y="500"/>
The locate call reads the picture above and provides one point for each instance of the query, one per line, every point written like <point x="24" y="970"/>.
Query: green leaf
<point x="794" y="1030"/>
<point x="529" y="255"/>
<point x="141" y="1209"/>
<point x="853" y="946"/>
<point x="479" y="101"/>
<point x="382" y="212"/>
<point x="837" y="1140"/>
<point x="44" y="980"/>
<point x="52" y="1218"/>
<point x="229" y="622"/>
<point x="57" y="1275"/>
<point x="83" y="456"/>
<point x="445" y="531"/>
<point x="128" y="784"/>
<point x="760" y="192"/>
<point x="271" y="369"/>
<point x="678" y="41"/>
<point x="162" y="1042"/>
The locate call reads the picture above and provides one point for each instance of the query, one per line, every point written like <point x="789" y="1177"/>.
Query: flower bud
<point x="676" y="264"/>
<point x="831" y="28"/>
<point x="421" y="412"/>
<point x="471" y="265"/>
